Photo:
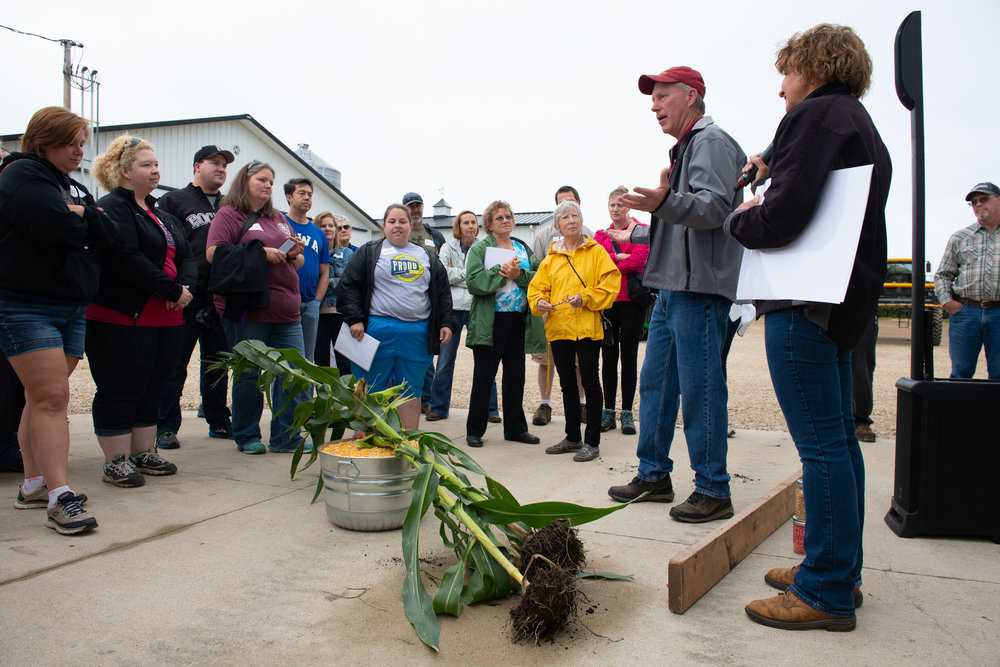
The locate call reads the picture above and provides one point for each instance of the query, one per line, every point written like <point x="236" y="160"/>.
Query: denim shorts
<point x="27" y="326"/>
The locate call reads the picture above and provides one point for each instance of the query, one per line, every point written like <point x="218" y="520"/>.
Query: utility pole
<point x="67" y="44"/>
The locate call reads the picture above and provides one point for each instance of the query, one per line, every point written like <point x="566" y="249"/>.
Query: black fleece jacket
<point x="828" y="130"/>
<point x="133" y="266"/>
<point x="354" y="293"/>
<point x="45" y="249"/>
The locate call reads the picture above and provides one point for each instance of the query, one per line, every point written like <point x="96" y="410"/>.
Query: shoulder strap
<point x="254" y="217"/>
<point x="614" y="243"/>
<point x="574" y="271"/>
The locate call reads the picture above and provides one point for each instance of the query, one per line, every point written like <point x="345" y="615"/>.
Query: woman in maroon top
<point x="134" y="322"/>
<point x="276" y="325"/>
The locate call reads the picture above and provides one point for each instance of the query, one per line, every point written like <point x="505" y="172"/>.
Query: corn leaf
<point x="500" y="492"/>
<point x="448" y="599"/>
<point x="603" y="576"/>
<point x="417" y="601"/>
<point x="536" y="515"/>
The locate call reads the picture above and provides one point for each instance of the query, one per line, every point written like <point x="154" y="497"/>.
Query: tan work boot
<point x="782" y="577"/>
<point x="787" y="612"/>
<point x="864" y="433"/>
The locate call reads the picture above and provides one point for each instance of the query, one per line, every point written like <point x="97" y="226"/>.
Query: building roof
<point x="243" y="118"/>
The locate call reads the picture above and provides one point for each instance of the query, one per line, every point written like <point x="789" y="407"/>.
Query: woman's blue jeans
<point x="248" y="403"/>
<point x="441" y="387"/>
<point x="812" y="380"/>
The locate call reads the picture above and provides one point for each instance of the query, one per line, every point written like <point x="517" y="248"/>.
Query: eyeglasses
<point x="976" y="201"/>
<point x="501" y="218"/>
<point x="343" y="227"/>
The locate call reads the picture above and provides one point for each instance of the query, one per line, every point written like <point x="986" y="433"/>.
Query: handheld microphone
<point x="749" y="177"/>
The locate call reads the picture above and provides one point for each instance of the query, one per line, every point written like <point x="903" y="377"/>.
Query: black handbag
<point x="609" y="330"/>
<point x="638" y="293"/>
<point x="239" y="273"/>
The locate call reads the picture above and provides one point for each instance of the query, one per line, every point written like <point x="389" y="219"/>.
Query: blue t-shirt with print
<point x="511" y="298"/>
<point x="317" y="252"/>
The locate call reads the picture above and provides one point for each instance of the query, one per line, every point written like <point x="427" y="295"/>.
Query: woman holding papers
<point x="397" y="293"/>
<point x="498" y="271"/>
<point x="826" y="70"/>
<point x="248" y="216"/>
<point x="574" y="283"/>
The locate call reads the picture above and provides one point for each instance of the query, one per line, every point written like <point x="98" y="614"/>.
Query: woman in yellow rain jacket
<point x="573" y="284"/>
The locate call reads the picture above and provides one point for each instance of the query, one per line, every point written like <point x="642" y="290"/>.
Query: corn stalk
<point x="484" y="526"/>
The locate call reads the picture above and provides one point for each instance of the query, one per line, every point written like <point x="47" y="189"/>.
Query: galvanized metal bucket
<point x="366" y="493"/>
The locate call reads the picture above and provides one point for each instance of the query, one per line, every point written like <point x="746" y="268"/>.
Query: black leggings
<point x="626" y="321"/>
<point x="130" y="366"/>
<point x="565" y="354"/>
<point x="508" y="347"/>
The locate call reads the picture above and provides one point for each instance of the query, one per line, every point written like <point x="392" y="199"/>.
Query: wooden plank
<point x="701" y="566"/>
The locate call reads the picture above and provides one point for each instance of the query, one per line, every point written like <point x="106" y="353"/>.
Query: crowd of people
<point x="131" y="277"/>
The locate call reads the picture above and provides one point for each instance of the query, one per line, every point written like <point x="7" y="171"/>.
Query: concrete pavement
<point x="227" y="562"/>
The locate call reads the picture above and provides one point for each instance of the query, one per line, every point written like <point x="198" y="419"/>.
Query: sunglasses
<point x="976" y="201"/>
<point x="133" y="142"/>
<point x="343" y="227"/>
<point x="253" y="163"/>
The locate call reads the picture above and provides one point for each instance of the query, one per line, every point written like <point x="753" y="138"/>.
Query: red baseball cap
<point x="682" y="74"/>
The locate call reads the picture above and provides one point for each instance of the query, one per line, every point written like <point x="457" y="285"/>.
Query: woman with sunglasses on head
<point x="276" y="325"/>
<point x="134" y="324"/>
<point x="50" y="232"/>
<point x="500" y="327"/>
<point x="338" y="235"/>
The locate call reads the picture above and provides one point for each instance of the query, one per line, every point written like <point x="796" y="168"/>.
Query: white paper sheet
<point x="817" y="265"/>
<point x="360" y="352"/>
<point x="496" y="257"/>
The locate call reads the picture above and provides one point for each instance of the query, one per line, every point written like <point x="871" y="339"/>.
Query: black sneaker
<point x="67" y="517"/>
<point x="660" y="491"/>
<point x="167" y="440"/>
<point x="121" y="472"/>
<point x="699" y="508"/>
<point x="221" y="431"/>
<point x="151" y="463"/>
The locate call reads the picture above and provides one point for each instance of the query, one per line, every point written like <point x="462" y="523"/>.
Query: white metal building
<point x="177" y="141"/>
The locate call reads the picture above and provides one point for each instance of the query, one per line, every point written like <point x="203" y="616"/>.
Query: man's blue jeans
<point x="683" y="366"/>
<point x="441" y="386"/>
<point x="248" y="403"/>
<point x="969" y="330"/>
<point x="812" y="380"/>
<point x="309" y="312"/>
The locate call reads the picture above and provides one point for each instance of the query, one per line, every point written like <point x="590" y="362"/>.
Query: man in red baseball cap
<point x="695" y="266"/>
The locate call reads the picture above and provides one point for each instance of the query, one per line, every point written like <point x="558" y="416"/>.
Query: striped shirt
<point x="970" y="268"/>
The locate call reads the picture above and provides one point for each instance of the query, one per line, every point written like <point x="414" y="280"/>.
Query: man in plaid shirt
<point x="967" y="284"/>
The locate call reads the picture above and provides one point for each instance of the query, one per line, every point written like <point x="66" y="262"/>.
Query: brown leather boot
<point x="787" y="612"/>
<point x="782" y="577"/>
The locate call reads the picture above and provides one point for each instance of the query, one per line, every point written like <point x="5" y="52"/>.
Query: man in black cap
<point x="430" y="240"/>
<point x="967" y="285"/>
<point x="422" y="235"/>
<point x="195" y="205"/>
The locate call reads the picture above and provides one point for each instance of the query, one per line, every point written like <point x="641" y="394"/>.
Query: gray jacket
<point x="689" y="252"/>
<point x="453" y="258"/>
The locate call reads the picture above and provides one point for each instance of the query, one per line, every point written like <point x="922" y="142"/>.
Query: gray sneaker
<point x="39" y="500"/>
<point x="151" y="463"/>
<point x="588" y="453"/>
<point x="168" y="440"/>
<point x="564" y="446"/>
<point x="68" y="518"/>
<point x="122" y="472"/>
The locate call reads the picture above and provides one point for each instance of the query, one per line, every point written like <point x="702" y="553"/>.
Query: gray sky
<point x="510" y="101"/>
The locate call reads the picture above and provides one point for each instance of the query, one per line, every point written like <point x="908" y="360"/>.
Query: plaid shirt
<point x="970" y="267"/>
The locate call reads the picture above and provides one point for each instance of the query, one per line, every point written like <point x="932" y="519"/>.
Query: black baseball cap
<point x="412" y="198"/>
<point x="206" y="152"/>
<point x="985" y="188"/>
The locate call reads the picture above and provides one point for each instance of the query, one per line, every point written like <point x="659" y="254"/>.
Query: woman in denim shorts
<point x="50" y="230"/>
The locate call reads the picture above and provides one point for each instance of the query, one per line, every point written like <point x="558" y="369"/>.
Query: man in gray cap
<point x="695" y="266"/>
<point x="967" y="285"/>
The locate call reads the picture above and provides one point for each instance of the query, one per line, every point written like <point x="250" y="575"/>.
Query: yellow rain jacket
<point x="555" y="281"/>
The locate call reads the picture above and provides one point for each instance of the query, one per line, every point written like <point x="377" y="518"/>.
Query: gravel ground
<point x="752" y="404"/>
